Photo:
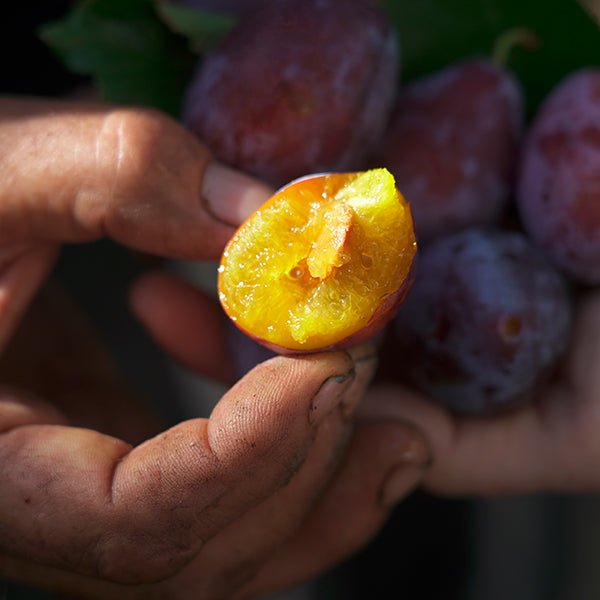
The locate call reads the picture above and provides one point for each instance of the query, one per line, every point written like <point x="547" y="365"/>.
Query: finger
<point x="185" y="322"/>
<point x="57" y="354"/>
<point x="19" y="409"/>
<point x="79" y="172"/>
<point x="385" y="462"/>
<point x="526" y="451"/>
<point x="76" y="499"/>
<point x="582" y="365"/>
<point x="237" y="553"/>
<point x="551" y="444"/>
<point x="22" y="269"/>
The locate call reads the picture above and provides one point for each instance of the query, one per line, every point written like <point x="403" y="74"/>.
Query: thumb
<point x="74" y="172"/>
<point x="81" y="501"/>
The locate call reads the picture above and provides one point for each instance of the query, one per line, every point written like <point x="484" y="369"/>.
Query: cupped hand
<point x="280" y="482"/>
<point x="551" y="445"/>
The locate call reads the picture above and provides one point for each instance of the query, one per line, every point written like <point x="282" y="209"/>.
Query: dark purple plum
<point x="297" y="88"/>
<point x="245" y="352"/>
<point x="558" y="193"/>
<point x="452" y="145"/>
<point x="485" y="323"/>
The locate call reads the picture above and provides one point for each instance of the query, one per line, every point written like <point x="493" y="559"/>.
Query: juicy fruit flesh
<point x="313" y="265"/>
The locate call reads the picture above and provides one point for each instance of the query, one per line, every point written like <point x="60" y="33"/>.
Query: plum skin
<point x="487" y="320"/>
<point x="452" y="144"/>
<point x="297" y="88"/>
<point x="558" y="192"/>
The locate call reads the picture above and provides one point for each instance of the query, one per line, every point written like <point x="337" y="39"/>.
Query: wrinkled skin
<point x="97" y="500"/>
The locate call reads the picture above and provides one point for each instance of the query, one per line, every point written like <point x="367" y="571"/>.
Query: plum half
<point x="323" y="264"/>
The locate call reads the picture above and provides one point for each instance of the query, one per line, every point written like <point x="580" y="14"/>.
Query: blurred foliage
<point x="436" y="32"/>
<point x="133" y="48"/>
<point x="145" y="51"/>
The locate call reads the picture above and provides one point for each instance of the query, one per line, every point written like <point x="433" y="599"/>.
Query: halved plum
<point x="321" y="265"/>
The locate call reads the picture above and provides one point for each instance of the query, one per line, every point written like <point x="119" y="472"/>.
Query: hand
<point x="281" y="481"/>
<point x="552" y="445"/>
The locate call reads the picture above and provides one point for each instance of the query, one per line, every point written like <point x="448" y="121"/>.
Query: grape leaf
<point x="435" y="32"/>
<point x="129" y="51"/>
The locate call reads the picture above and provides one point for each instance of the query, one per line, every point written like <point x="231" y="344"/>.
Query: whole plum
<point x="297" y="88"/>
<point x="452" y="145"/>
<point x="559" y="184"/>
<point x="485" y="322"/>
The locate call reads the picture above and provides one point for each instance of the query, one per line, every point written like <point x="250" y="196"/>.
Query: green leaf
<point x="203" y="28"/>
<point x="435" y="32"/>
<point x="145" y="51"/>
<point x="128" y="50"/>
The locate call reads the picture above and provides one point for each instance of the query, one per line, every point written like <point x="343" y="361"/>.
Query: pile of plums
<point x="507" y="213"/>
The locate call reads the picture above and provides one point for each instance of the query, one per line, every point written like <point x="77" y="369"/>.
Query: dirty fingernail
<point x="330" y="395"/>
<point x="365" y="364"/>
<point x="232" y="196"/>
<point x="411" y="460"/>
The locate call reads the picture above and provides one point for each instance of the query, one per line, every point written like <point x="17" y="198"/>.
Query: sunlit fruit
<point x="323" y="264"/>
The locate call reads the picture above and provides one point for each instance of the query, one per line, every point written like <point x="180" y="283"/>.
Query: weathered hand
<point x="551" y="445"/>
<point x="280" y="481"/>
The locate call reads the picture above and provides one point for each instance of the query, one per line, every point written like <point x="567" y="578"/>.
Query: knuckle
<point x="134" y="151"/>
<point x="128" y="143"/>
<point x="151" y="168"/>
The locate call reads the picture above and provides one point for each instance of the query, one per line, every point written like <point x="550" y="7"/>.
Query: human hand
<point x="551" y="445"/>
<point x="279" y="483"/>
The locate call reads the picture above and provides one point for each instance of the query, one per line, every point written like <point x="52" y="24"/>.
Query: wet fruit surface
<point x="324" y="263"/>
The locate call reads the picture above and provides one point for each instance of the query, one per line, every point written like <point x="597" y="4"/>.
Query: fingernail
<point x="230" y="195"/>
<point x="329" y="396"/>
<point x="412" y="458"/>
<point x="365" y="364"/>
<point x="399" y="483"/>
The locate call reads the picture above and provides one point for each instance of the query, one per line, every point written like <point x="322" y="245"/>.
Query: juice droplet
<point x="296" y="272"/>
<point x="366" y="261"/>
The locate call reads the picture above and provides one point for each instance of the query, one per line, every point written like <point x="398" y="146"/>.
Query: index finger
<point x="78" y="172"/>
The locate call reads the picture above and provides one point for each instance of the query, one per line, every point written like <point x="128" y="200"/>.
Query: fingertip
<point x="379" y="469"/>
<point x="231" y="196"/>
<point x="146" y="298"/>
<point x="187" y="323"/>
